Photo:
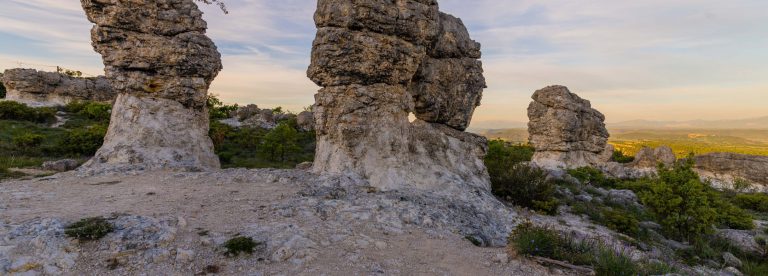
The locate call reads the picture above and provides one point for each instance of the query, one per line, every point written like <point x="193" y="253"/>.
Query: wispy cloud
<point x="653" y="59"/>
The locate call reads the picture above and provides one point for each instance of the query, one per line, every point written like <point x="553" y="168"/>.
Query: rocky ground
<point x="175" y="224"/>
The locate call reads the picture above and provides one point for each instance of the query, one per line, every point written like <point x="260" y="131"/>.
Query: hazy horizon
<point x="653" y="60"/>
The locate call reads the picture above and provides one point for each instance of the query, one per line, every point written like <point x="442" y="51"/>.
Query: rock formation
<point x="38" y="88"/>
<point x="566" y="131"/>
<point x="650" y="157"/>
<point x="158" y="59"/>
<point x="377" y="62"/>
<point x="729" y="166"/>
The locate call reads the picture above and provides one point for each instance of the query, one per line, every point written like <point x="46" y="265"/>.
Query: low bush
<point x="28" y="140"/>
<point x="687" y="207"/>
<point x="83" y="141"/>
<point x="502" y="155"/>
<point x="217" y="110"/>
<point x="592" y="176"/>
<point x="621" y="221"/>
<point x="89" y="229"/>
<point x="530" y="240"/>
<point x="238" y="245"/>
<point x="620" y="157"/>
<point x="95" y="111"/>
<point x="10" y="110"/>
<point x="525" y="186"/>
<point x="756" y="202"/>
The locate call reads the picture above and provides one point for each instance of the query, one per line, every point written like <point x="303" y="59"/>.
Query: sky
<point x="649" y="60"/>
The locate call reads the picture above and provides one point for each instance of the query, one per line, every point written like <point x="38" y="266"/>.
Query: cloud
<point x="652" y="59"/>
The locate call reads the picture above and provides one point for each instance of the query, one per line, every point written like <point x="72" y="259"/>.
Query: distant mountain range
<point x="751" y="123"/>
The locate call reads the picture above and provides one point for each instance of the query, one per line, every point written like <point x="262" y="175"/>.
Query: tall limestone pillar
<point x="160" y="61"/>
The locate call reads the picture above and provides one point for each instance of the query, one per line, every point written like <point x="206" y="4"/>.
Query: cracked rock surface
<point x="378" y="61"/>
<point x="38" y="88"/>
<point x="566" y="131"/>
<point x="159" y="60"/>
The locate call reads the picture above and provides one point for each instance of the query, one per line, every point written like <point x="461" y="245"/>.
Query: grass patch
<point x="89" y="229"/>
<point x="540" y="241"/>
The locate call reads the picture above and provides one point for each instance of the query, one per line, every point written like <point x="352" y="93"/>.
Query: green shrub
<point x="680" y="202"/>
<point x="95" y="111"/>
<point x="757" y="202"/>
<point x="28" y="140"/>
<point x="526" y="186"/>
<point x="281" y="144"/>
<point x="620" y="157"/>
<point x="238" y="245"/>
<point x="502" y="155"/>
<point x="731" y="216"/>
<point x="592" y="176"/>
<point x="621" y="221"/>
<point x="83" y="141"/>
<point x="10" y="110"/>
<point x="89" y="229"/>
<point x="530" y="240"/>
<point x="217" y="110"/>
<point x="611" y="263"/>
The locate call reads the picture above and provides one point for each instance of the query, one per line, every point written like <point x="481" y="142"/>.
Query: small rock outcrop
<point x="730" y="166"/>
<point x="652" y="157"/>
<point x="159" y="60"/>
<point x="379" y="61"/>
<point x="39" y="88"/>
<point x="60" y="165"/>
<point x="566" y="131"/>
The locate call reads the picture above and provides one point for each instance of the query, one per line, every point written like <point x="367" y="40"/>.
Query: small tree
<point x="681" y="203"/>
<point x="281" y="143"/>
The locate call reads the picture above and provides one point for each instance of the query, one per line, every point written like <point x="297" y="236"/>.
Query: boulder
<point x="306" y="121"/>
<point x="650" y="157"/>
<point x="378" y="61"/>
<point x="38" y="88"/>
<point x="566" y="131"/>
<point x="161" y="64"/>
<point x="60" y="165"/>
<point x="731" y="166"/>
<point x="731" y="260"/>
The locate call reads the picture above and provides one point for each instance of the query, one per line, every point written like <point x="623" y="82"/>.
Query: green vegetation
<point x="285" y="146"/>
<point x="755" y="201"/>
<point x="27" y="139"/>
<point x="217" y="110"/>
<point x="530" y="240"/>
<point x="89" y="229"/>
<point x="592" y="176"/>
<point x="10" y="110"/>
<point x="2" y="88"/>
<point x="620" y="157"/>
<point x="240" y="244"/>
<point x="516" y="182"/>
